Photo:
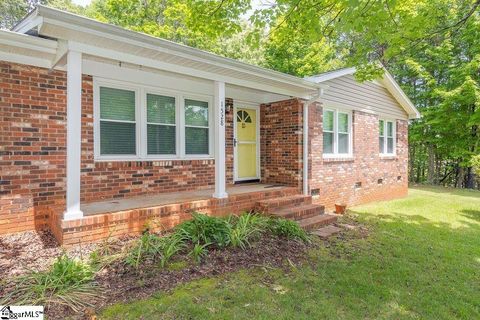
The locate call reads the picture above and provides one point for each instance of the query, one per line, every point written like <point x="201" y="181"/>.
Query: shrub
<point x="153" y="247"/>
<point x="68" y="282"/>
<point x="171" y="245"/>
<point x="203" y="229"/>
<point x="245" y="228"/>
<point x="199" y="251"/>
<point x="289" y="229"/>
<point x="147" y="247"/>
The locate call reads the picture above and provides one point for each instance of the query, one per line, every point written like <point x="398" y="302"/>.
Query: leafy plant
<point x="149" y="246"/>
<point x="199" y="251"/>
<point x="289" y="229"/>
<point x="171" y="245"/>
<point x="68" y="282"/>
<point x="203" y="229"/>
<point x="244" y="228"/>
<point x="153" y="247"/>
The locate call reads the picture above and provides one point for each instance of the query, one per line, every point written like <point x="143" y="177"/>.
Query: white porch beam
<point x="74" y="128"/>
<point x="219" y="145"/>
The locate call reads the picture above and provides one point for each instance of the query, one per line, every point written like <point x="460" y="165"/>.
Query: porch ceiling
<point x="160" y="199"/>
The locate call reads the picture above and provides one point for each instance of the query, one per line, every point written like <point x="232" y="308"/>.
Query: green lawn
<point x="421" y="260"/>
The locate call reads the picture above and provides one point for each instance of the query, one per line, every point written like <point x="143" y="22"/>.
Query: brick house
<point x="104" y="130"/>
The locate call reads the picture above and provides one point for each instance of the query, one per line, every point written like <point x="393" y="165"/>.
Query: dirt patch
<point x="122" y="284"/>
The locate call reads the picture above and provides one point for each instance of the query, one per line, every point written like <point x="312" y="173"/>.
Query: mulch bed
<point x="36" y="251"/>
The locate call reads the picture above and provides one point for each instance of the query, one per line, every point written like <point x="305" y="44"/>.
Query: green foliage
<point x="68" y="282"/>
<point x="204" y="229"/>
<point x="12" y="11"/>
<point x="420" y="260"/>
<point x="171" y="245"/>
<point x="289" y="229"/>
<point x="198" y="252"/>
<point x="245" y="228"/>
<point x="152" y="247"/>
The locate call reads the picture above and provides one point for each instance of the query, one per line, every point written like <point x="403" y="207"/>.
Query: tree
<point x="12" y="11"/>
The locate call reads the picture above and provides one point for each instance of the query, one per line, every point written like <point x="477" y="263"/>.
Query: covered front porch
<point x="153" y="130"/>
<point x="160" y="212"/>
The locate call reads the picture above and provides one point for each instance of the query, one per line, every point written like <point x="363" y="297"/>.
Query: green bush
<point x="203" y="229"/>
<point x="199" y="251"/>
<point x="289" y="229"/>
<point x="245" y="228"/>
<point x="153" y="247"/>
<point x="68" y="282"/>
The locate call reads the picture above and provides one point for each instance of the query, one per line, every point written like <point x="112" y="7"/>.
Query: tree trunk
<point x="411" y="163"/>
<point x="431" y="164"/>
<point x="470" y="179"/>
<point x="459" y="183"/>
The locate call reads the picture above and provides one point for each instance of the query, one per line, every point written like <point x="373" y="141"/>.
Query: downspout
<point x="305" y="138"/>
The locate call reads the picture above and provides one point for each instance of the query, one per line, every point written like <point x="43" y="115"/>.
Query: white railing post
<point x="74" y="130"/>
<point x="219" y="145"/>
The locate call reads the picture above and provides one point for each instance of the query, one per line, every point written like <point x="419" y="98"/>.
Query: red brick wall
<point x="336" y="178"/>
<point x="32" y="145"/>
<point x="281" y="142"/>
<point x="33" y="152"/>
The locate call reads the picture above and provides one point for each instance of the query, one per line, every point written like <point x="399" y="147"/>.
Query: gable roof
<point x="105" y="41"/>
<point x="387" y="81"/>
<point x="108" y="41"/>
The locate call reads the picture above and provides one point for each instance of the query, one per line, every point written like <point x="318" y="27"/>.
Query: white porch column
<point x="74" y="130"/>
<point x="219" y="145"/>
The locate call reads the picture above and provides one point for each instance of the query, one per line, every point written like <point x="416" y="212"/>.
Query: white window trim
<point x="335" y="153"/>
<point x="141" y="121"/>
<point x="385" y="137"/>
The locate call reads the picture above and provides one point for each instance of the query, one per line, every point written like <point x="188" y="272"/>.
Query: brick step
<point x="327" y="231"/>
<point x="316" y="222"/>
<point x="265" y="206"/>
<point x="299" y="212"/>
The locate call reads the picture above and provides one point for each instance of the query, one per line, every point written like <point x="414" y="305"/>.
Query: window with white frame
<point x="196" y="127"/>
<point x="161" y="125"/>
<point x="133" y="122"/>
<point x="336" y="133"/>
<point x="386" y="137"/>
<point x="117" y="121"/>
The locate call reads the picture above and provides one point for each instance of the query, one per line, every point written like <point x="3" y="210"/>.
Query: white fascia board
<point x="24" y="41"/>
<point x="392" y="86"/>
<point x="25" y="49"/>
<point x="175" y="68"/>
<point x="89" y="26"/>
<point x="30" y="21"/>
<point x="331" y="75"/>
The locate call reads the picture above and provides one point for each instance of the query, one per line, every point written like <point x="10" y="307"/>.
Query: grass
<point x="421" y="260"/>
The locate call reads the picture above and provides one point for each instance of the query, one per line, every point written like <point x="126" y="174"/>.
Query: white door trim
<point x="235" y="149"/>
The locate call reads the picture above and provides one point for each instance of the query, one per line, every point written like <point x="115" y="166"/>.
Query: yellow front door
<point x="246" y="144"/>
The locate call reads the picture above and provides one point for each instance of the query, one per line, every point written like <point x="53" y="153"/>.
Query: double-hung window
<point x="197" y="130"/>
<point x="161" y="125"/>
<point x="386" y="137"/>
<point x="118" y="123"/>
<point x="139" y="123"/>
<point x="336" y="133"/>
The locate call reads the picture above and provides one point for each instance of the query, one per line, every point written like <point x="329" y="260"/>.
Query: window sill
<point x="152" y="159"/>
<point x="388" y="157"/>
<point x="338" y="159"/>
